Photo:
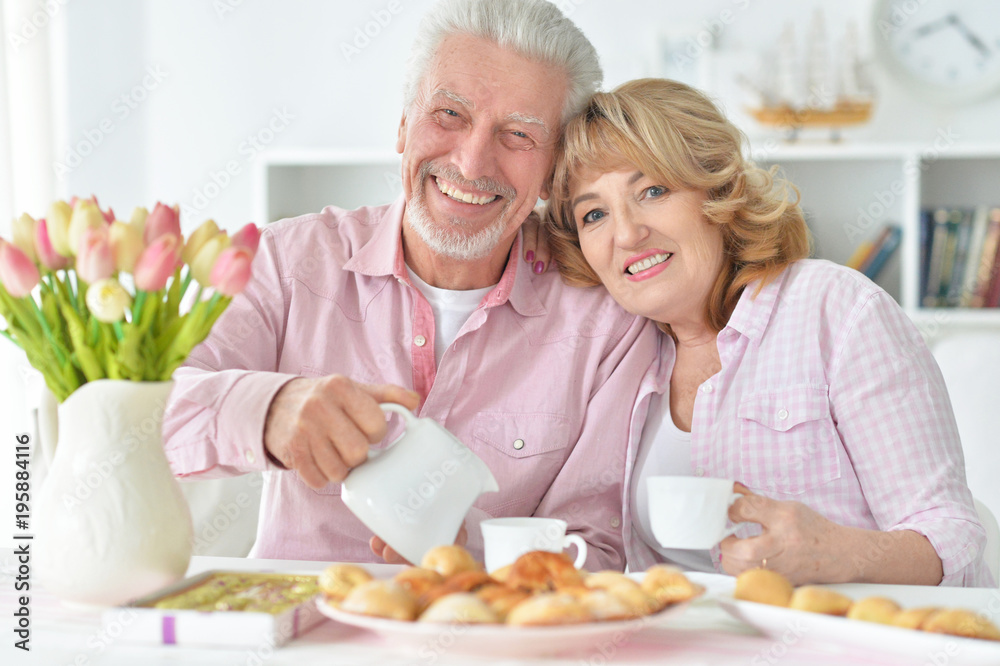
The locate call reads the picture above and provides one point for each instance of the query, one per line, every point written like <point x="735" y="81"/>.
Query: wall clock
<point x="947" y="50"/>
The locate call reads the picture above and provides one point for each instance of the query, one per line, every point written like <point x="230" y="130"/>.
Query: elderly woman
<point x="799" y="378"/>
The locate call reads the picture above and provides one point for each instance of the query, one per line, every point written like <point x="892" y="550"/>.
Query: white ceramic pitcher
<point x="414" y="495"/>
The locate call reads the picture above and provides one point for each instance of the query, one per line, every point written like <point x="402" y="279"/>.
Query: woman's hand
<point x="807" y="548"/>
<point x="536" y="243"/>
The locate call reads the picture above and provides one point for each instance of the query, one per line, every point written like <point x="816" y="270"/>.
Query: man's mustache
<point x="451" y="174"/>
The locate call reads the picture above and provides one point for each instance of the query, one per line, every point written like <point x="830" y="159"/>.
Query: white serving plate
<point x="497" y="639"/>
<point x="923" y="648"/>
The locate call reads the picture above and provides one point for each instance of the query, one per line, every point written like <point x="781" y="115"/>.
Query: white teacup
<point x="690" y="512"/>
<point x="506" y="539"/>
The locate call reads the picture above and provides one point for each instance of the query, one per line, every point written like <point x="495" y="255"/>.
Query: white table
<point x="703" y="634"/>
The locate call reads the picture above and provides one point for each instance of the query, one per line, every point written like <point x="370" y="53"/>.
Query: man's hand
<point x="383" y="550"/>
<point x="321" y="428"/>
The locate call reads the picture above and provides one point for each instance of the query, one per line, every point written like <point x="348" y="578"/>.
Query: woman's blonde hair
<point x="674" y="134"/>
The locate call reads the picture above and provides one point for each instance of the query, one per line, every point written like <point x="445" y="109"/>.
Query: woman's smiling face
<point x="652" y="247"/>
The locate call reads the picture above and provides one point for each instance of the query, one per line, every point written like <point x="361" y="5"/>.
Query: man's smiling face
<point x="478" y="144"/>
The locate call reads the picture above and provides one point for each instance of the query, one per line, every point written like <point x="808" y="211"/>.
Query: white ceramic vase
<point x="111" y="523"/>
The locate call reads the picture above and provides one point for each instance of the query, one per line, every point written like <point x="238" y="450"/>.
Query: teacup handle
<point x="581" y="548"/>
<point x="732" y="530"/>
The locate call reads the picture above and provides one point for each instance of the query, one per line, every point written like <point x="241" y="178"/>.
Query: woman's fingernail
<point x="530" y="256"/>
<point x="539" y="267"/>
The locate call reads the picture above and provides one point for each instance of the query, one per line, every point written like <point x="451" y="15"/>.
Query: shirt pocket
<point x="788" y="443"/>
<point x="525" y="452"/>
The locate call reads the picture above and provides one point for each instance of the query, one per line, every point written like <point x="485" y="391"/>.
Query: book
<point x="894" y="235"/>
<point x="980" y="223"/>
<point x="938" y="240"/>
<point x="861" y="254"/>
<point x="962" y="238"/>
<point x="955" y="218"/>
<point x="926" y="233"/>
<point x="988" y="268"/>
<point x="876" y="245"/>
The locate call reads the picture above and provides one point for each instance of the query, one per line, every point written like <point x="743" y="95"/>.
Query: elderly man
<point x="351" y="308"/>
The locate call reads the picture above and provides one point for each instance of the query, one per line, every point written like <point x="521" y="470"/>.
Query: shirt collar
<point x="752" y="314"/>
<point x="382" y="255"/>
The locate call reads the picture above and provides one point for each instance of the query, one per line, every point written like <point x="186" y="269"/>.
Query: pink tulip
<point x="109" y="215"/>
<point x="248" y="237"/>
<point x="94" y="260"/>
<point x="231" y="271"/>
<point x="47" y="254"/>
<point x="163" y="220"/>
<point x="157" y="262"/>
<point x="18" y="274"/>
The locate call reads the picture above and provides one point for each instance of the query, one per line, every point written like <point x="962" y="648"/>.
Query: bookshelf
<point x="848" y="193"/>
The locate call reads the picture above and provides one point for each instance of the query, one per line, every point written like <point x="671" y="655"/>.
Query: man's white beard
<point x="448" y="239"/>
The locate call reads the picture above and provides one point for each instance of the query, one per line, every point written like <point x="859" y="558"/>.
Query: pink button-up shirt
<point x="829" y="396"/>
<point x="539" y="383"/>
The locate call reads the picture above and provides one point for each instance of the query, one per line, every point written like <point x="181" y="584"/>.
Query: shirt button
<point x="615" y="522"/>
<point x="420" y="341"/>
<point x="782" y="413"/>
<point x="699" y="472"/>
<point x="518" y="444"/>
<point x="249" y="456"/>
<point x="706" y="388"/>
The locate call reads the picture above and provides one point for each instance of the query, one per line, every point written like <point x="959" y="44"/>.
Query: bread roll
<point x="460" y="608"/>
<point x="449" y="560"/>
<point x="816" y="599"/>
<point x="874" y="609"/>
<point x="501" y="598"/>
<point x="418" y="580"/>
<point x="337" y="580"/>
<point x="913" y="618"/>
<point x="549" y="608"/>
<point x="381" y="598"/>
<point x="960" y="622"/>
<point x="764" y="587"/>
<point x="668" y="585"/>
<point x="540" y="571"/>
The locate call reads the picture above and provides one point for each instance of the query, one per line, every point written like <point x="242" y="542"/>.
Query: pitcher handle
<point x="408" y="417"/>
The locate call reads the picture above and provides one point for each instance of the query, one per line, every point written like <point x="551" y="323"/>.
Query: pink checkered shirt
<point x="539" y="383"/>
<point x="829" y="396"/>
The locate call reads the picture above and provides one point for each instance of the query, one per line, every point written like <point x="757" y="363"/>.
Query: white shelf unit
<point x="848" y="192"/>
<point x="290" y="183"/>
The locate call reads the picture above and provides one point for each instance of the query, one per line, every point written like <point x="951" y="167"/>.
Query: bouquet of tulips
<point x="90" y="297"/>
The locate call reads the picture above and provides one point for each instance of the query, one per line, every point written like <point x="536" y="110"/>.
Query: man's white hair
<point x="534" y="29"/>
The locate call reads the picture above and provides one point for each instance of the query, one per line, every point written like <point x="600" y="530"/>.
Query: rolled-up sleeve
<point x="214" y="421"/>
<point x="892" y="410"/>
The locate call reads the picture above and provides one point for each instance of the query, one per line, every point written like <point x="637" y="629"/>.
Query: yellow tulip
<point x="208" y="230"/>
<point x="57" y="222"/>
<point x="126" y="245"/>
<point x="204" y="261"/>
<point x="86" y="215"/>
<point x="23" y="235"/>
<point x="138" y="219"/>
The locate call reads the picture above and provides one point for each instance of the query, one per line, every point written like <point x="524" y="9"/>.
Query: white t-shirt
<point x="664" y="450"/>
<point x="451" y="309"/>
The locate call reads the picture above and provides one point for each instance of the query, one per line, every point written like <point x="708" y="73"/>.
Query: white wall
<point x="224" y="73"/>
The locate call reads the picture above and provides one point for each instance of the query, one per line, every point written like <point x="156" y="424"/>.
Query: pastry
<point x="501" y="598"/>
<point x="763" y="586"/>
<point x="338" y="579"/>
<point x="816" y="599"/>
<point x="605" y="606"/>
<point x="959" y="622"/>
<point x="549" y="608"/>
<point x="418" y="580"/>
<point x="668" y="585"/>
<point x="460" y="608"/>
<point x="466" y="581"/>
<point x="540" y="571"/>
<point x="381" y="598"/>
<point x="449" y="560"/>
<point x="913" y="618"/>
<point x="502" y="573"/>
<point x="874" y="609"/>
